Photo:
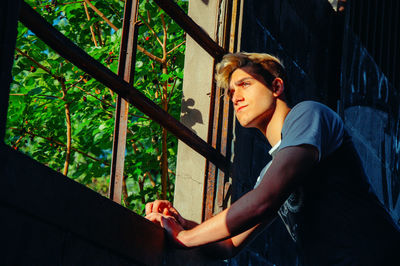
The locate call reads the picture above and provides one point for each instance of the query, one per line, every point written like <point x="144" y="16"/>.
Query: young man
<point x="315" y="181"/>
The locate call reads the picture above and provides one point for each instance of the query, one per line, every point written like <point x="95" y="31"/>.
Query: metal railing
<point x="122" y="83"/>
<point x="67" y="49"/>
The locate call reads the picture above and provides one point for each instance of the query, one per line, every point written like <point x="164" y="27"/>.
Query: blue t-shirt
<point x="331" y="216"/>
<point x="314" y="124"/>
<point x="310" y="123"/>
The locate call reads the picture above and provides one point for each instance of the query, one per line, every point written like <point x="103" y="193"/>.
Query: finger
<point x="167" y="222"/>
<point x="154" y="217"/>
<point x="160" y="205"/>
<point x="149" y="208"/>
<point x="174" y="213"/>
<point x="166" y="211"/>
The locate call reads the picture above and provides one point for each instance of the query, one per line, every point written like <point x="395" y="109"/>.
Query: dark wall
<point x="370" y="106"/>
<point x="325" y="62"/>
<point x="302" y="36"/>
<point x="49" y="219"/>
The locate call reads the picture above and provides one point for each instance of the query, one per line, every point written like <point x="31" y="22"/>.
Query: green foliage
<point x="45" y="86"/>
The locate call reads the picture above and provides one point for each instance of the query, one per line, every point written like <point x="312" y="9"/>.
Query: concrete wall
<point x="190" y="172"/>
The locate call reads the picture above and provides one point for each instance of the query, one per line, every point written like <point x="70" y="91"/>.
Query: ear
<point x="277" y="87"/>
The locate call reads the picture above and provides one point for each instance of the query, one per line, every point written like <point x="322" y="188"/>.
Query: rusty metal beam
<point x="220" y="130"/>
<point x="226" y="110"/>
<point x="191" y="28"/>
<point x="126" y="70"/>
<point x="67" y="49"/>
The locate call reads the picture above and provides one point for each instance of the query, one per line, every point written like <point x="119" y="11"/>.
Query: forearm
<point x="240" y="217"/>
<point x="257" y="206"/>
<point x="228" y="248"/>
<point x="207" y="232"/>
<point x="188" y="224"/>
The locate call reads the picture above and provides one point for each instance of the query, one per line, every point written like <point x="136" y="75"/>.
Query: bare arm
<point x="257" y="206"/>
<point x="228" y="248"/>
<point x="221" y="249"/>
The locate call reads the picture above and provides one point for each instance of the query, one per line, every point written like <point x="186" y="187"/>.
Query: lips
<point x="240" y="108"/>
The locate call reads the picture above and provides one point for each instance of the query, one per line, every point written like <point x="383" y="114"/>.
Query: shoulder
<point x="311" y="107"/>
<point x="313" y="123"/>
<point x="311" y="111"/>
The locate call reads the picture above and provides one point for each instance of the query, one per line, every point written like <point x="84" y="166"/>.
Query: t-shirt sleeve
<point x="314" y="124"/>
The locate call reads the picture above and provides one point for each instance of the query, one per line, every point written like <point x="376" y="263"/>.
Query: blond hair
<point x="266" y="65"/>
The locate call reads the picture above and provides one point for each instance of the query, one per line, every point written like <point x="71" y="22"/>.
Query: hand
<point x="169" y="223"/>
<point x="165" y="207"/>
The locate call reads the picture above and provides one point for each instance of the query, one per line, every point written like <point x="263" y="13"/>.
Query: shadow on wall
<point x="205" y="2"/>
<point x="189" y="115"/>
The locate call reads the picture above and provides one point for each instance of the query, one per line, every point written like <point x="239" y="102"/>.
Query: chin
<point x="246" y="124"/>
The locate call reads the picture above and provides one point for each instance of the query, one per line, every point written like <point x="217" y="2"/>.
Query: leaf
<point x="35" y="91"/>
<point x="92" y="117"/>
<point x="164" y="77"/>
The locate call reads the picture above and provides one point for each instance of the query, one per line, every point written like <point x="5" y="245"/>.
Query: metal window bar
<point x="217" y="185"/>
<point x="216" y="182"/>
<point x="126" y="70"/>
<point x="191" y="28"/>
<point x="67" y="49"/>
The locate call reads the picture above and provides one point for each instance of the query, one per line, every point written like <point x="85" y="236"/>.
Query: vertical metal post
<point x="220" y="135"/>
<point x="8" y="34"/>
<point x="126" y="69"/>
<point x="223" y="184"/>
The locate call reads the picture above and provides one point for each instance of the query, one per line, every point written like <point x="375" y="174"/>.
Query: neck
<point x="272" y="130"/>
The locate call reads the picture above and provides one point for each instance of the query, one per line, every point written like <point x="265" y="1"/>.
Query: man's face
<point x="253" y="101"/>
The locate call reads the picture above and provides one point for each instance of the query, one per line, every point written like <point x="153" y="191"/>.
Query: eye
<point x="245" y="84"/>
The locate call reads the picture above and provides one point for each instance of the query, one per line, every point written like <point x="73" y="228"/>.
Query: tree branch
<point x="68" y="3"/>
<point x="91" y="26"/>
<point x="101" y="15"/>
<point x="19" y="139"/>
<point x="150" y="28"/>
<point x="148" y="175"/>
<point x="37" y="63"/>
<point x="98" y="30"/>
<point x="164" y="134"/>
<point x="164" y="44"/>
<point x="59" y="143"/>
<point x="104" y="102"/>
<point x="176" y="47"/>
<point x="41" y="95"/>
<point x="124" y="191"/>
<point x="171" y="92"/>
<point x="69" y="128"/>
<point x="150" y="55"/>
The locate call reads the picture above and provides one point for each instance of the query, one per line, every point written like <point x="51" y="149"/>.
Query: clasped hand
<point x="163" y="213"/>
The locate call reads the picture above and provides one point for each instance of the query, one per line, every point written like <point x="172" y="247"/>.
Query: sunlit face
<point x="253" y="101"/>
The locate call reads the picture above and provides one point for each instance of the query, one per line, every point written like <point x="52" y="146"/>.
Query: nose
<point x="236" y="96"/>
